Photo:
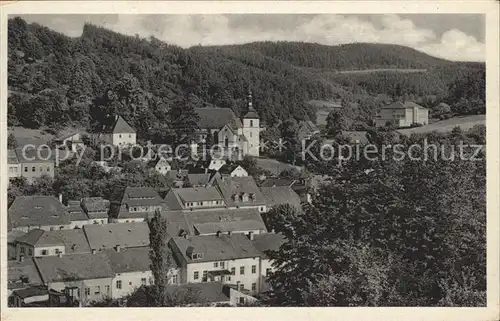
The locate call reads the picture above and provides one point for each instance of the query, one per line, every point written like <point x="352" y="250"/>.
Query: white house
<point x="402" y="114"/>
<point x="118" y="134"/>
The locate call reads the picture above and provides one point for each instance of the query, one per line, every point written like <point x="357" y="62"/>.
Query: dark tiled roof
<point x="198" y="179"/>
<point x="107" y="236"/>
<point x="26" y="268"/>
<point x="32" y="237"/>
<point x="196" y="194"/>
<point x="13" y="235"/>
<point x="281" y="195"/>
<point x="228" y="168"/>
<point x="216" y="118"/>
<point x="401" y="105"/>
<point x="12" y="157"/>
<point x="226" y="226"/>
<point x="233" y="220"/>
<point x="252" y="113"/>
<point x="270" y="182"/>
<point x="129" y="260"/>
<point x="216" y="248"/>
<point x="95" y="204"/>
<point x="268" y="241"/>
<point x="32" y="155"/>
<point x="121" y="126"/>
<point x="31" y="291"/>
<point x="38" y="210"/>
<point x="74" y="241"/>
<point x="76" y="212"/>
<point x="231" y="186"/>
<point x="74" y="267"/>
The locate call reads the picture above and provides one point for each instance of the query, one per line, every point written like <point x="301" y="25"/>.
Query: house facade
<point x="138" y="205"/>
<point x="31" y="163"/>
<point x="402" y="114"/>
<point x="227" y="258"/>
<point x="120" y="133"/>
<point x="13" y="164"/>
<point x="73" y="141"/>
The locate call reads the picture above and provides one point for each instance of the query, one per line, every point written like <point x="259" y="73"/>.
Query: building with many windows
<point x="402" y="114"/>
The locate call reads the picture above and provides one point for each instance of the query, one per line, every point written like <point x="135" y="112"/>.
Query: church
<point x="237" y="137"/>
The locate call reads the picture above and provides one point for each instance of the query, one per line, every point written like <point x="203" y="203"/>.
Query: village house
<point x="213" y="163"/>
<point x="241" y="192"/>
<point x="31" y="163"/>
<point x="83" y="277"/>
<point x="120" y="133"/>
<point x="32" y="296"/>
<point x="198" y="179"/>
<point x="179" y="176"/>
<point x="238" y="137"/>
<point x="131" y="270"/>
<point x="138" y="205"/>
<point x="209" y="222"/>
<point x="38" y="212"/>
<point x="162" y="166"/>
<point x="307" y="129"/>
<point x="37" y="243"/>
<point x="276" y="195"/>
<point x="13" y="163"/>
<point x="194" y="198"/>
<point x="267" y="242"/>
<point x="302" y="187"/>
<point x="73" y="141"/>
<point x="228" y="258"/>
<point x="232" y="170"/>
<point x="117" y="235"/>
<point x="21" y="274"/>
<point x="96" y="209"/>
<point x="402" y="114"/>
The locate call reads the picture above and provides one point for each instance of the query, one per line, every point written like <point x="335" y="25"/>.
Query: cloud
<point x="189" y="30"/>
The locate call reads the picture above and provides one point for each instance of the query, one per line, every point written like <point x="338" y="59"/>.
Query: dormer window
<point x="197" y="256"/>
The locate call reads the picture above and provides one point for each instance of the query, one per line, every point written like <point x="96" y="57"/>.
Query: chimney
<point x="60" y="198"/>
<point x="186" y="236"/>
<point x="118" y="248"/>
<point x="250" y="235"/>
<point x="93" y="251"/>
<point x="21" y="258"/>
<point x="59" y="254"/>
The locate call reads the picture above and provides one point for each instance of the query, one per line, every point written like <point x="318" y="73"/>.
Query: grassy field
<point x="273" y="165"/>
<point x="465" y="122"/>
<point x="25" y="136"/>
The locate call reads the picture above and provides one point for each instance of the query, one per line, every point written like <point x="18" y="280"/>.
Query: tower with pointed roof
<point x="251" y="128"/>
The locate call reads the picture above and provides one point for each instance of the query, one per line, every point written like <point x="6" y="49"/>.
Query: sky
<point x="459" y="37"/>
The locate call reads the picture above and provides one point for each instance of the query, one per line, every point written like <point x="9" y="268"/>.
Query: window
<point x="120" y="135"/>
<point x="174" y="279"/>
<point x="242" y="300"/>
<point x="87" y="291"/>
<point x="143" y="281"/>
<point x="251" y="123"/>
<point x="250" y="134"/>
<point x="97" y="289"/>
<point x="33" y="168"/>
<point x="119" y="284"/>
<point x="268" y="271"/>
<point x="30" y="252"/>
<point x="26" y="168"/>
<point x="254" y="286"/>
<point x="204" y="278"/>
<point x="216" y="264"/>
<point x="48" y="169"/>
<point x="58" y="251"/>
<point x="233" y="271"/>
<point x="22" y="250"/>
<point x="196" y="275"/>
<point x="242" y="270"/>
<point x="106" y="288"/>
<point x="242" y="287"/>
<point x="45" y="252"/>
<point x="254" y="269"/>
<point x="222" y="265"/>
<point x="129" y="136"/>
<point x="41" y="169"/>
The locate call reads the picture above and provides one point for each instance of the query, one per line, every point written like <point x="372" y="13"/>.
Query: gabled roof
<point x="26" y="268"/>
<point x="216" y="248"/>
<point x="31" y="291"/>
<point x="74" y="267"/>
<point x="270" y="182"/>
<point x="403" y="105"/>
<point x="230" y="186"/>
<point x="252" y="113"/>
<point x="75" y="211"/>
<point x="107" y="236"/>
<point x="201" y="179"/>
<point x="122" y="127"/>
<point x="32" y="155"/>
<point x="129" y="260"/>
<point x="138" y="196"/>
<point x="281" y="195"/>
<point x="216" y="118"/>
<point x="74" y="240"/>
<point x="37" y="210"/>
<point x="243" y="219"/>
<point x="197" y="194"/>
<point x="95" y="204"/>
<point x="228" y="168"/>
<point x="12" y="157"/>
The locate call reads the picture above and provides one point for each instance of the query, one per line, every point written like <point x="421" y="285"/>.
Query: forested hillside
<point x="57" y="81"/>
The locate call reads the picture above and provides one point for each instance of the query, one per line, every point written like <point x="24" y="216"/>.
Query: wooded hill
<point x="55" y="80"/>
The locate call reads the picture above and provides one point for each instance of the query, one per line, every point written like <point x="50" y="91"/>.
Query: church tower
<point x="251" y="128"/>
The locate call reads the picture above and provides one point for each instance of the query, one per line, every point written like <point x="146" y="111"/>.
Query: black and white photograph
<point x="247" y="160"/>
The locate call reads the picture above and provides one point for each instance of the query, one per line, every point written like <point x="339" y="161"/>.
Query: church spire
<point x="251" y="113"/>
<point x="250" y="107"/>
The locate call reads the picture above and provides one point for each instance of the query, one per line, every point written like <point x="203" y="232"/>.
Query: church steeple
<point x="251" y="113"/>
